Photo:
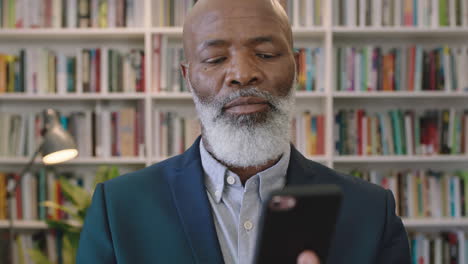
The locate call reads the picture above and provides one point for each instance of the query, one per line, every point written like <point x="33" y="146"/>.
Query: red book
<point x="98" y="70"/>
<point x="320" y="135"/>
<point x="59" y="214"/>
<point x="157" y="42"/>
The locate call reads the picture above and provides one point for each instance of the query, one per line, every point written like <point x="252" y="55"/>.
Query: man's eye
<point x="216" y="60"/>
<point x="265" y="56"/>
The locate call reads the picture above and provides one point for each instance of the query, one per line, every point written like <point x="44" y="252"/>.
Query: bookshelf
<point x="328" y="36"/>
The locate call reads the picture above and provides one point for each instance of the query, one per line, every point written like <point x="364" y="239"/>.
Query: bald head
<point x="205" y="13"/>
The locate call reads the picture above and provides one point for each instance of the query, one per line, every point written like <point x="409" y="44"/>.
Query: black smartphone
<point x="295" y="219"/>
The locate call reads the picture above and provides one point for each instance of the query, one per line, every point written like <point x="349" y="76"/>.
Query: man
<point x="203" y="206"/>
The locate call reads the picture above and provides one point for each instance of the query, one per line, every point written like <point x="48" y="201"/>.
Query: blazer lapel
<point x="298" y="171"/>
<point x="188" y="190"/>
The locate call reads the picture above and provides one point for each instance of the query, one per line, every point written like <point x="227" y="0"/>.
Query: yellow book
<point x="313" y="136"/>
<point x="3" y="73"/>
<point x="11" y="73"/>
<point x="51" y="73"/>
<point x="3" y="202"/>
<point x="103" y="13"/>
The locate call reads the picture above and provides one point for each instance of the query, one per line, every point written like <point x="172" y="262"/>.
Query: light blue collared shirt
<point x="236" y="208"/>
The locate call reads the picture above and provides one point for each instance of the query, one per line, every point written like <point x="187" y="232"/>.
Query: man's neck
<point x="244" y="173"/>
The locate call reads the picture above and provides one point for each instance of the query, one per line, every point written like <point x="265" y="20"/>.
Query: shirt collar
<point x="215" y="175"/>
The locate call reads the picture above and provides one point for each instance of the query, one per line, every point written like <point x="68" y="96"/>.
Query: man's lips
<point x="247" y="105"/>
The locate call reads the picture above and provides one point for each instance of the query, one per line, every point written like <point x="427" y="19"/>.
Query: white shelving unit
<point x="327" y="35"/>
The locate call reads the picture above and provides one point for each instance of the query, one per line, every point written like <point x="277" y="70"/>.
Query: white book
<point x="111" y="13"/>
<point x="364" y="135"/>
<point x="105" y="127"/>
<point x="310" y="13"/>
<point x="79" y="71"/>
<point x="398" y="12"/>
<point x="22" y="146"/>
<point x="438" y="250"/>
<point x="351" y="10"/>
<point x="157" y="133"/>
<point x="57" y="13"/>
<point x="139" y="10"/>
<point x="61" y="73"/>
<point x="357" y="70"/>
<point x="426" y="253"/>
<point x="156" y="67"/>
<point x="87" y="135"/>
<point x="432" y="198"/>
<point x="386" y="13"/>
<point x="130" y="13"/>
<point x="320" y="57"/>
<point x="29" y="70"/>
<point x="456" y="185"/>
<point x="26" y="196"/>
<point x="460" y="72"/>
<point x="409" y="135"/>
<point x="377" y="13"/>
<point x="296" y="4"/>
<point x="51" y="247"/>
<point x="177" y="135"/>
<point x="452" y="13"/>
<point x="388" y="133"/>
<point x="447" y="70"/>
<point x="362" y="13"/>
<point x="163" y="64"/>
<point x="418" y="75"/>
<point x="104" y="70"/>
<point x="461" y="246"/>
<point x="464" y="7"/>
<point x="422" y="10"/>
<point x="435" y="14"/>
<point x="466" y="133"/>
<point x="72" y="13"/>
<point x="99" y="127"/>
<point x="94" y="13"/>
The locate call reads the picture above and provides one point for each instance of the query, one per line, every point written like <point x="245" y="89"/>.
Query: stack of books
<point x="423" y="193"/>
<point x="305" y="13"/>
<point x="99" y="70"/>
<point x="399" y="132"/>
<point x="411" y="68"/>
<point x="408" y="13"/>
<point x="71" y="13"/>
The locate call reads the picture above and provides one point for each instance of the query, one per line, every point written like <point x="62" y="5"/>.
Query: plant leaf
<point x="76" y="194"/>
<point x="71" y="211"/>
<point x="63" y="226"/>
<point x="69" y="251"/>
<point x="113" y="172"/>
<point x="38" y="257"/>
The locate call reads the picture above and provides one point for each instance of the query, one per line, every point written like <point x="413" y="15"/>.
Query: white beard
<point x="247" y="140"/>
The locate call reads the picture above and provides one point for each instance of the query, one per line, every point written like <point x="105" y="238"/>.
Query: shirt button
<point x="248" y="225"/>
<point x="231" y="180"/>
<point x="218" y="193"/>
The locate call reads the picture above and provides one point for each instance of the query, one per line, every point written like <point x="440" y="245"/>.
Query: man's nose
<point x="243" y="72"/>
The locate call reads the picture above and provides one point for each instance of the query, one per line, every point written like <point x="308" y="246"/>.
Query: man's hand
<point x="308" y="257"/>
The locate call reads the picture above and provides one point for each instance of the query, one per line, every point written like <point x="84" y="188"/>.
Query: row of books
<point x="450" y="247"/>
<point x="100" y="70"/>
<point x="305" y="13"/>
<point x="408" y="13"/>
<point x="399" y="132"/>
<point x="170" y="12"/>
<point x="310" y="69"/>
<point x="423" y="193"/>
<point x="308" y="133"/>
<point x="99" y="133"/>
<point x="174" y="133"/>
<point x="49" y="242"/>
<point x="71" y="13"/>
<point x="35" y="188"/>
<point x="412" y="68"/>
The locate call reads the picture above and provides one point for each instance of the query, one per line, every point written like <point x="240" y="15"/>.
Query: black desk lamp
<point x="57" y="146"/>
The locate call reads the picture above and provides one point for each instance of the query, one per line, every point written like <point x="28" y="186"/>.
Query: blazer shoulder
<point x="155" y="173"/>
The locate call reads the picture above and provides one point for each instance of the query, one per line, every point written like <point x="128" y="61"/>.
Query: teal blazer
<point x="161" y="214"/>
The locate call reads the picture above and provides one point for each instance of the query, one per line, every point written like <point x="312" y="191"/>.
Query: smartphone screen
<point x="295" y="219"/>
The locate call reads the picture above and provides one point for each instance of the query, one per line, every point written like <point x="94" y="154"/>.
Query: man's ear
<point x="184" y="69"/>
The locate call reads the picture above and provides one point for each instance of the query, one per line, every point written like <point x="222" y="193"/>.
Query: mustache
<point x="219" y="103"/>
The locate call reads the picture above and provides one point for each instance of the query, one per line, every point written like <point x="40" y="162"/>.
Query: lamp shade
<point x="58" y="145"/>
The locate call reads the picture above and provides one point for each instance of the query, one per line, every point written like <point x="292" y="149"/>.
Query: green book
<point x="464" y="176"/>
<point x="11" y="14"/>
<point x="396" y="132"/>
<point x="401" y="120"/>
<point x="443" y="13"/>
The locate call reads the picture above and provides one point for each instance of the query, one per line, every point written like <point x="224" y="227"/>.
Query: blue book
<point x="383" y="133"/>
<point x="310" y="70"/>
<point x="64" y="122"/>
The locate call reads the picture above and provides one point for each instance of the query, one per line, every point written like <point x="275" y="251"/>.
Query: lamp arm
<point x="12" y="184"/>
